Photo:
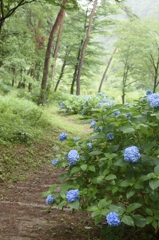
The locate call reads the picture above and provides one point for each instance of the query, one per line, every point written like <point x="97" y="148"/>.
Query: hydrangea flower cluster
<point x="148" y="92"/>
<point x="109" y="136"/>
<point x="72" y="195"/>
<point x="50" y="199"/>
<point x="93" y="123"/>
<point x="131" y="154"/>
<point x="89" y="145"/>
<point x="72" y="157"/>
<point x="54" y="162"/>
<point x="63" y="136"/>
<point x="116" y="113"/>
<point x="113" y="219"/>
<point x="76" y="139"/>
<point x="153" y="100"/>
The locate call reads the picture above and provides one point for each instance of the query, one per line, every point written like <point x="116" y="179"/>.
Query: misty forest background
<point x="121" y="55"/>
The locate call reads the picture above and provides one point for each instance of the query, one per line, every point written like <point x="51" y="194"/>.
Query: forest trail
<point x="24" y="214"/>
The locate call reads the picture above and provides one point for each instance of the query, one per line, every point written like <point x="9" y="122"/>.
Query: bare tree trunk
<point x="76" y="68"/>
<point x="57" y="46"/>
<point x="48" y="53"/>
<point x="84" y="47"/>
<point x="105" y="72"/>
<point x="61" y="75"/>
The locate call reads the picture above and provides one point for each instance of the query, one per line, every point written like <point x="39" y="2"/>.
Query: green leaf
<point x="98" y="219"/>
<point x="84" y="167"/>
<point x="156" y="169"/>
<point x="133" y="206"/>
<point x="130" y="193"/>
<point x="149" y="220"/>
<point x="96" y="153"/>
<point x="91" y="168"/>
<point x="92" y="208"/>
<point x="74" y="205"/>
<point x="127" y="220"/>
<point x="102" y="203"/>
<point x="97" y="180"/>
<point x="127" y="129"/>
<point x="139" y="220"/>
<point x="120" y="162"/>
<point x="154" y="183"/>
<point x="75" y="170"/>
<point x="110" y="177"/>
<point x="125" y="183"/>
<point x="149" y="211"/>
<point x="154" y="224"/>
<point x="62" y="204"/>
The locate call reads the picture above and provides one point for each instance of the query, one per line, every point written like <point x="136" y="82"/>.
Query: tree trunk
<point x="105" y="72"/>
<point x="76" y="68"/>
<point x="48" y="53"/>
<point x="57" y="46"/>
<point x="84" y="47"/>
<point x="61" y="75"/>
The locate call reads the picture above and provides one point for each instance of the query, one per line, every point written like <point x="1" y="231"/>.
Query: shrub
<point x="18" y="120"/>
<point x="118" y="178"/>
<point x="85" y="105"/>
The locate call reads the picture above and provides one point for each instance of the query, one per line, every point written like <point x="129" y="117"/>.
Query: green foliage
<point x="85" y="105"/>
<point x="19" y="119"/>
<point x="108" y="183"/>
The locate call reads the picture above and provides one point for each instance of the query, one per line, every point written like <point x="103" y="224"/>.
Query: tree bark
<point x="105" y="72"/>
<point x="84" y="47"/>
<point x="57" y="46"/>
<point x="48" y="53"/>
<point x="76" y="69"/>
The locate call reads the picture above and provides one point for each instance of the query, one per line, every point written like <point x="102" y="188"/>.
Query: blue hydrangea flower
<point x="63" y="136"/>
<point x="109" y="136"/>
<point x="148" y="92"/>
<point x="113" y="219"/>
<point x="153" y="100"/>
<point x="89" y="145"/>
<point x="72" y="195"/>
<point x="131" y="154"/>
<point x="76" y="139"/>
<point x="72" y="157"/>
<point x="93" y="123"/>
<point x="128" y="115"/>
<point x="117" y="113"/>
<point x="50" y="199"/>
<point x="54" y="162"/>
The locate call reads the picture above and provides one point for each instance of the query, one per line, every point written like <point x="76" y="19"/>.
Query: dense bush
<point x="19" y="119"/>
<point x="116" y="178"/>
<point x="84" y="105"/>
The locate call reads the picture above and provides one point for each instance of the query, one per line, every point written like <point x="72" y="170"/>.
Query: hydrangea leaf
<point x="91" y="168"/>
<point x="74" y="205"/>
<point x="75" y="170"/>
<point x="139" y="220"/>
<point x="110" y="177"/>
<point x="133" y="206"/>
<point x="130" y="193"/>
<point x="127" y="220"/>
<point x="83" y="167"/>
<point x="154" y="183"/>
<point x="127" y="129"/>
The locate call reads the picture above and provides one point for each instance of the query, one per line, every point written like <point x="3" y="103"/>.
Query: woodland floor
<point x="23" y="212"/>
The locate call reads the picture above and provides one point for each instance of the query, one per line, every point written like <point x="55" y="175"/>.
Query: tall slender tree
<point x="84" y="47"/>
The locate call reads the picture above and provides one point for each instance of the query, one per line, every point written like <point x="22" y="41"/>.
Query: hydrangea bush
<point x="118" y="177"/>
<point x="85" y="105"/>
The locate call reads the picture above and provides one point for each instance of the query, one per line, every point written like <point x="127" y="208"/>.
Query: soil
<point x="25" y="216"/>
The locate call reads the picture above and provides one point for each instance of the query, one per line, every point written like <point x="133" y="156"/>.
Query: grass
<point x="19" y="160"/>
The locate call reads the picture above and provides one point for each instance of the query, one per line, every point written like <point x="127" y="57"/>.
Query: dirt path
<point x="25" y="216"/>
